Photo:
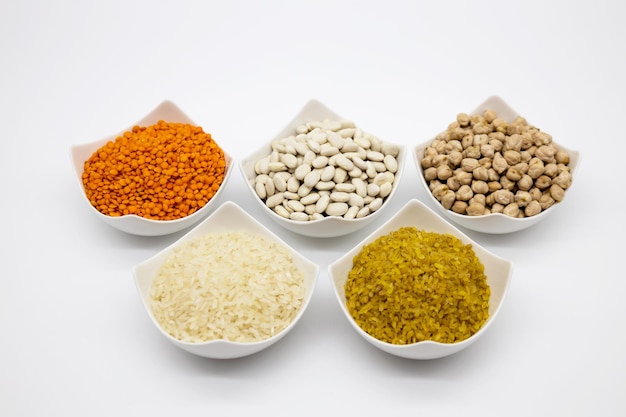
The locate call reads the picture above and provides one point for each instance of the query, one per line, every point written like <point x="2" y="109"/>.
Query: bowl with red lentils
<point x="160" y="176"/>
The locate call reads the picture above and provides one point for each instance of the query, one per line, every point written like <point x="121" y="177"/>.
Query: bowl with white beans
<point x="493" y="172"/>
<point x="323" y="175"/>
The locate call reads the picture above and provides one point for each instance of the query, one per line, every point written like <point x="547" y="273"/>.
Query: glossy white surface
<point x="75" y="337"/>
<point x="329" y="226"/>
<point x="416" y="214"/>
<point x="131" y="223"/>
<point x="228" y="217"/>
<point x="496" y="223"/>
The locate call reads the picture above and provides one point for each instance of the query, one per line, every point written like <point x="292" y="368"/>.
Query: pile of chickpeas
<point x="482" y="164"/>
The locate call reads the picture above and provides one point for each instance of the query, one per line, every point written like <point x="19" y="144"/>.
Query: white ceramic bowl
<point x="417" y="214"/>
<point x="134" y="224"/>
<point x="229" y="217"/>
<point x="495" y="223"/>
<point x="330" y="226"/>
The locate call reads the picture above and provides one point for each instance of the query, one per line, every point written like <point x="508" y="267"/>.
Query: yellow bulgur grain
<point x="410" y="285"/>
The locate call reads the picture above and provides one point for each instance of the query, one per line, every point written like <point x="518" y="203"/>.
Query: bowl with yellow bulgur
<point x="161" y="175"/>
<point x="419" y="288"/>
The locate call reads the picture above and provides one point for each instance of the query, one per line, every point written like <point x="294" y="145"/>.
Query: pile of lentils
<point x="164" y="171"/>
<point x="481" y="164"/>
<point x="326" y="168"/>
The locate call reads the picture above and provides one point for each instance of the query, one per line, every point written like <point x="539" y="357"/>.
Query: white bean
<point x="322" y="203"/>
<point x="391" y="163"/>
<point x="351" y="213"/>
<point x="376" y="204"/>
<point x="385" y="189"/>
<point x="299" y="216"/>
<point x="259" y="187"/>
<point x="302" y="171"/>
<point x="363" y="212"/>
<point x="356" y="200"/>
<point x="340" y="197"/>
<point x="337" y="209"/>
<point x="325" y="185"/>
<point x="310" y="199"/>
<point x="274" y="200"/>
<point x="312" y="178"/>
<point x="295" y="205"/>
<point x="345" y="187"/>
<point x="281" y="211"/>
<point x="293" y="184"/>
<point x="328" y="173"/>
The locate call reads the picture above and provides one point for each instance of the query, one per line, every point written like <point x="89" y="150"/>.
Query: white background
<point x="74" y="338"/>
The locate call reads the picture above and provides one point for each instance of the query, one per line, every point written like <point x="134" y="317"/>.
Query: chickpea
<point x="504" y="197"/>
<point x="532" y="209"/>
<point x="454" y="158"/>
<point x="487" y="150"/>
<point x="543" y="182"/>
<point x="463" y="119"/>
<point x="523" y="198"/>
<point x="494" y="186"/>
<point x="490" y="115"/>
<point x="557" y="193"/>
<point x="511" y="210"/>
<point x="550" y="170"/>
<point x="472" y="152"/>
<point x="447" y="199"/>
<point x="469" y="164"/>
<point x="444" y="172"/>
<point x="481" y="173"/>
<point x="512" y="157"/>
<point x="546" y="201"/>
<point x="525" y="183"/>
<point x="497" y="208"/>
<point x="499" y="163"/>
<point x="475" y="209"/>
<point x="480" y="187"/>
<point x="464" y="193"/>
<point x="430" y="173"/>
<point x="453" y="183"/>
<point x="464" y="177"/>
<point x="459" y="207"/>
<point x="514" y="174"/>
<point x="562" y="157"/>
<point x="563" y="180"/>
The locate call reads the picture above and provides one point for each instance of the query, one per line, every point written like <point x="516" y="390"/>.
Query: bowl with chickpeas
<point x="493" y="172"/>
<point x="159" y="176"/>
<point x="323" y="175"/>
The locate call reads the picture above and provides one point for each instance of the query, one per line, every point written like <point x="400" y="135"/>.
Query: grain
<point x="411" y="285"/>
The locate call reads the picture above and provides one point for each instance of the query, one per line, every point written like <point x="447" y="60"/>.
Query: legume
<point x="333" y="160"/>
<point x="164" y="171"/>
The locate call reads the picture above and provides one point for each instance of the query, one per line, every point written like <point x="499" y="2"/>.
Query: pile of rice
<point x="232" y="286"/>
<point x="411" y="285"/>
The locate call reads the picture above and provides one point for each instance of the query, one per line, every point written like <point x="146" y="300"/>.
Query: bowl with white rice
<point x="323" y="175"/>
<point x="228" y="288"/>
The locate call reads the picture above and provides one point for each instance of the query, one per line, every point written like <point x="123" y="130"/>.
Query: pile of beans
<point x="326" y="168"/>
<point x="481" y="164"/>
<point x="165" y="171"/>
